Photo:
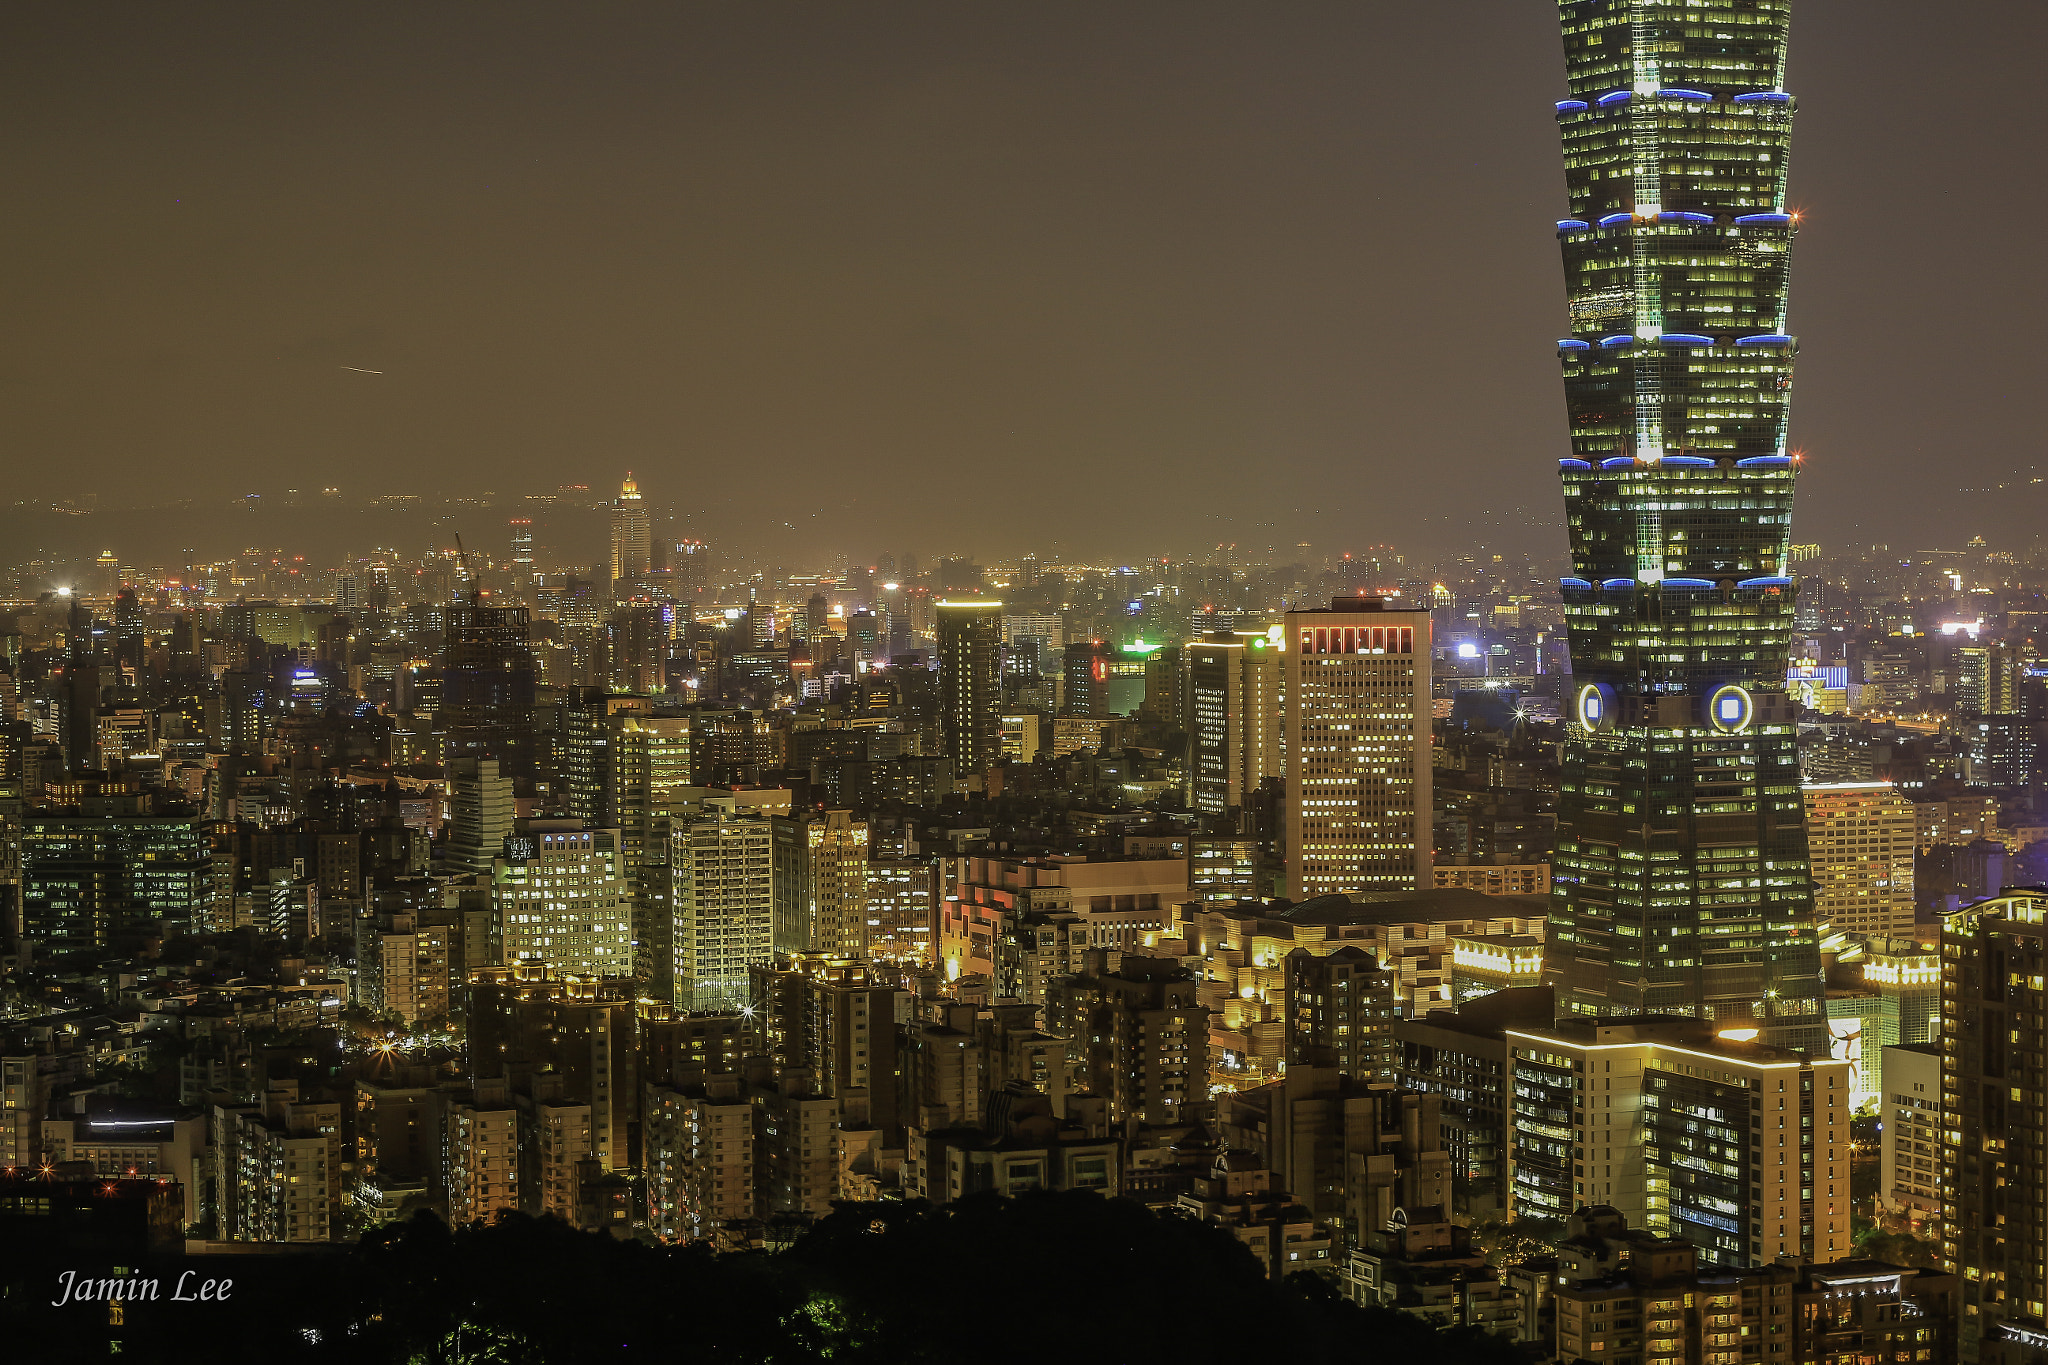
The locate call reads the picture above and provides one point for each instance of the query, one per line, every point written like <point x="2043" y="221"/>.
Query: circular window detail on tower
<point x="1594" y="707"/>
<point x="1731" y="709"/>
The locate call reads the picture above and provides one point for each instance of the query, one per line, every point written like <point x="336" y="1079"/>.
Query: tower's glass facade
<point x="1682" y="881"/>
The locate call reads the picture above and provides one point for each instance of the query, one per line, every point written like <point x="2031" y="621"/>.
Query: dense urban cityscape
<point x="530" y="925"/>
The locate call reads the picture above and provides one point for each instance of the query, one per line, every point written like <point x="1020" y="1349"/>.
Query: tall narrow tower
<point x="970" y="684"/>
<point x="1681" y="872"/>
<point x="632" y="540"/>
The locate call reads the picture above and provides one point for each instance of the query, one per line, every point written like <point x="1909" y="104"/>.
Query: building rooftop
<point x="1348" y="605"/>
<point x="1668" y="1030"/>
<point x="1523" y="1007"/>
<point x="1409" y="907"/>
<point x="1500" y="940"/>
<point x="1861" y="1268"/>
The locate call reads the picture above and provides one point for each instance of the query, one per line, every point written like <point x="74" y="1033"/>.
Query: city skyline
<point x="216" y="325"/>
<point x="668" y="673"/>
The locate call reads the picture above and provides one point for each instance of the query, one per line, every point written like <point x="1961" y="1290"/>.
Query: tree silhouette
<point x="1065" y="1275"/>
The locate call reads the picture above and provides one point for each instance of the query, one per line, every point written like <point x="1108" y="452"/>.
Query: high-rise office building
<point x="632" y="539"/>
<point x="970" y="683"/>
<point x="2002" y="750"/>
<point x="1989" y="678"/>
<point x="1166" y="690"/>
<point x="1906" y="973"/>
<point x="128" y="629"/>
<point x="1047" y="630"/>
<point x="481" y="798"/>
<point x="1681" y="870"/>
<point x="521" y="556"/>
<point x="587" y="772"/>
<point x="1214" y="722"/>
<point x="1022" y="734"/>
<point x="1102" y="680"/>
<point x="821" y="884"/>
<point x="487" y="687"/>
<point x="900" y="903"/>
<point x="101" y="870"/>
<point x="244" y="709"/>
<point x="867" y="639"/>
<point x="817" y="618"/>
<point x="722" y="907"/>
<point x="1224" y="869"/>
<point x="1861" y="839"/>
<point x="561" y="899"/>
<point x="1738" y="1147"/>
<point x="79" y="692"/>
<point x="653" y="766"/>
<point x="652" y="769"/>
<point x="690" y="564"/>
<point x="1358" y="749"/>
<point x="637" y="644"/>
<point x="1994" y="1181"/>
<point x="1262" y="697"/>
<point x="107" y="576"/>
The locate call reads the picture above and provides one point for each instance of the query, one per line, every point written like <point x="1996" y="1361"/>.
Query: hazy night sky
<point x="1131" y="276"/>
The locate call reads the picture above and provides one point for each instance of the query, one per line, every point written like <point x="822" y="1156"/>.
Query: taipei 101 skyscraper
<point x="1681" y="876"/>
